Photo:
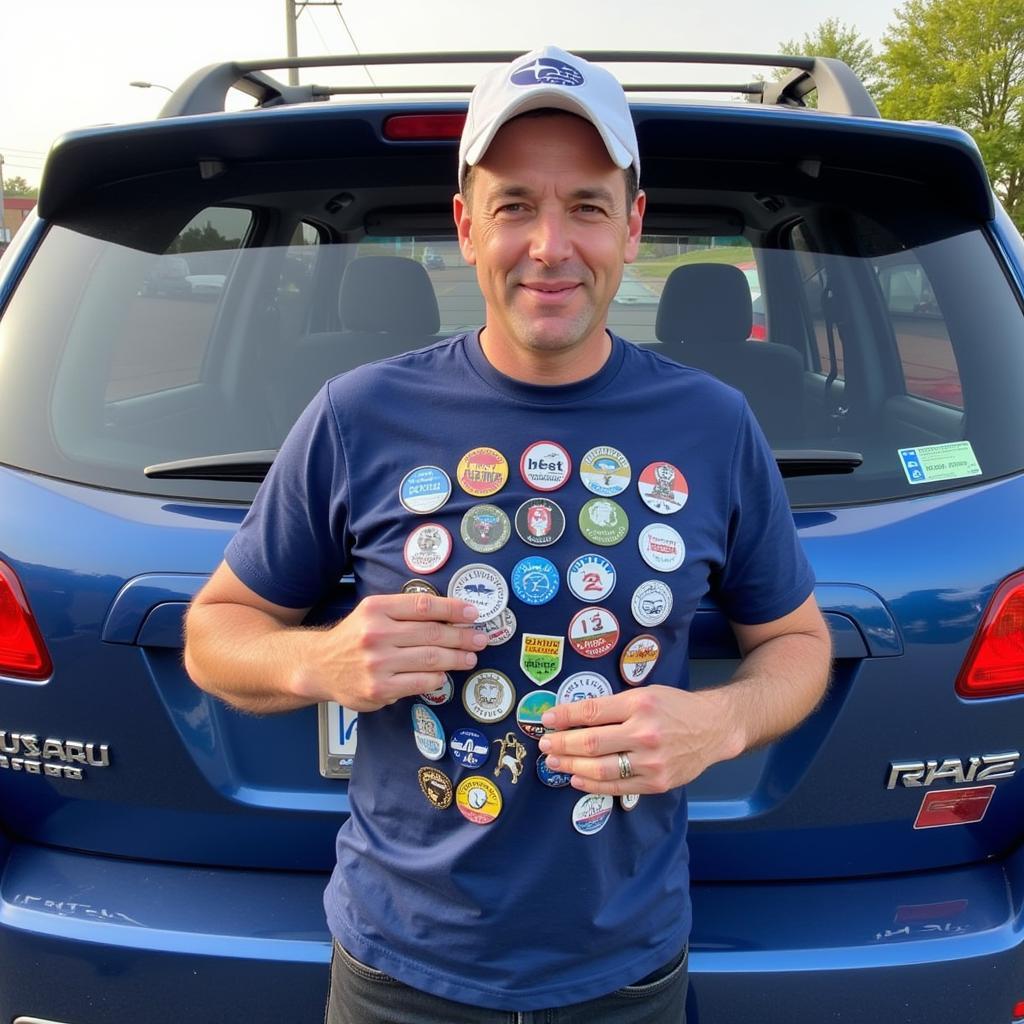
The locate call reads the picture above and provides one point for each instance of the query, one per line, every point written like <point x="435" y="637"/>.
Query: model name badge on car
<point x="58" y="759"/>
<point x="977" y="768"/>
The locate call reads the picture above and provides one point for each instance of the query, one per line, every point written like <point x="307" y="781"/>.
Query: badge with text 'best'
<point x="541" y="656"/>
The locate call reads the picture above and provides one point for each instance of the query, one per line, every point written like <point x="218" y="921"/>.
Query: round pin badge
<point x="583" y="686"/>
<point x="478" y="799"/>
<point x="419" y="587"/>
<point x="556" y="780"/>
<point x="500" y="629"/>
<point x="603" y="521"/>
<point x="535" y="580"/>
<point x="483" y="472"/>
<point x="482" y="586"/>
<point x="591" y="813"/>
<point x="605" y="471"/>
<point x="470" y="747"/>
<point x="638" y="658"/>
<point x="427" y="548"/>
<point x="424" y="490"/>
<point x="529" y="712"/>
<point x="593" y="632"/>
<point x="428" y="732"/>
<point x="545" y="466"/>
<point x="629" y="800"/>
<point x="436" y="787"/>
<point x="591" y="577"/>
<point x="485" y="528"/>
<point x="488" y="695"/>
<point x="651" y="603"/>
<point x="663" y="488"/>
<point x="540" y="522"/>
<point x="442" y="694"/>
<point x="661" y="547"/>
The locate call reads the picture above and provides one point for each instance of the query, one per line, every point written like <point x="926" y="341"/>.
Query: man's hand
<point x="391" y="646"/>
<point x="669" y="735"/>
<point x="259" y="657"/>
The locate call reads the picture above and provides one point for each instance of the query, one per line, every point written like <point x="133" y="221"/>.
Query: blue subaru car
<point x="163" y="856"/>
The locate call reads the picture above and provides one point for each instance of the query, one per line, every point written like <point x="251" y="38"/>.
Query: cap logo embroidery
<point x="547" y="71"/>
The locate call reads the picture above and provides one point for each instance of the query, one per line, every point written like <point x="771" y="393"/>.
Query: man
<point x="463" y="891"/>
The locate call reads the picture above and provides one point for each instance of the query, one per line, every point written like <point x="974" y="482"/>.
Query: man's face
<point x="548" y="229"/>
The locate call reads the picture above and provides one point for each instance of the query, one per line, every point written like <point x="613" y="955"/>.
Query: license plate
<point x="337" y="739"/>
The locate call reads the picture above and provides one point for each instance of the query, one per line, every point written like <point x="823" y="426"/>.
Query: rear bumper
<point x="90" y="940"/>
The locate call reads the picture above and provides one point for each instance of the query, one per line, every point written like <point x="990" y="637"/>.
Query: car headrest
<point x="387" y="295"/>
<point x="703" y="304"/>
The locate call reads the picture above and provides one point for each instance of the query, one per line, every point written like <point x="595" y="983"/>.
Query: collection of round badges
<point x="488" y="695"/>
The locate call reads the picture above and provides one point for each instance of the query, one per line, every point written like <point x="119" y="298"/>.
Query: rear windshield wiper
<point x="238" y="467"/>
<point x="251" y="467"/>
<point x="816" y="462"/>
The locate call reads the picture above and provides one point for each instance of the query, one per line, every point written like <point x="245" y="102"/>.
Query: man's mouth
<point x="550" y="289"/>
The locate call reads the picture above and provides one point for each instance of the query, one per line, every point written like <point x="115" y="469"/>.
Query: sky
<point x="66" y="64"/>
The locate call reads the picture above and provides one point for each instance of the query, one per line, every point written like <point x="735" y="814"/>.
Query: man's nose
<point x="551" y="243"/>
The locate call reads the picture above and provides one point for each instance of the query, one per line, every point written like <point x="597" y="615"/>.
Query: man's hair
<point x="632" y="185"/>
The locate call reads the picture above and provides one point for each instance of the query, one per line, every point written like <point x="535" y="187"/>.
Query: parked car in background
<point x="162" y="856"/>
<point x="169" y="275"/>
<point x="432" y="259"/>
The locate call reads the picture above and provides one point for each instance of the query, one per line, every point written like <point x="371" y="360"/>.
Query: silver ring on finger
<point x="625" y="768"/>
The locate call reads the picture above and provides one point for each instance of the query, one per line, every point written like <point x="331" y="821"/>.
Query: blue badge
<point x="424" y="490"/>
<point x="535" y="580"/>
<point x="470" y="747"/>
<point x="547" y="71"/>
<point x="428" y="732"/>
<point x="550" y="777"/>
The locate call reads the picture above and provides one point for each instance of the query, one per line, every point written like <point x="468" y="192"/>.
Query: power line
<point x="352" y="38"/>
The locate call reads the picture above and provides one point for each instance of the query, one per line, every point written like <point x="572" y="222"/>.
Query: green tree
<point x="18" y="187"/>
<point x="833" y="38"/>
<point x="961" y="62"/>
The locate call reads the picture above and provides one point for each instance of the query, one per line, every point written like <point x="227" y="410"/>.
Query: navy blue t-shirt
<point x="526" y="911"/>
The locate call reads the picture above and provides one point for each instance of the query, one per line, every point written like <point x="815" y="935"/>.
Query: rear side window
<point x="162" y="331"/>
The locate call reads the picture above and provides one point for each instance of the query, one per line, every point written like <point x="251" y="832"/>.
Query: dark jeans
<point x="362" y="995"/>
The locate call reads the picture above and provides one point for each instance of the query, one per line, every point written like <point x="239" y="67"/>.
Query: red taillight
<point x="22" y="651"/>
<point x="423" y="127"/>
<point x="994" y="666"/>
<point x="1018" y="1013"/>
<point x="758" y="333"/>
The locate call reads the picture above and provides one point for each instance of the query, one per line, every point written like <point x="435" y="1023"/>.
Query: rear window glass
<point x="845" y="333"/>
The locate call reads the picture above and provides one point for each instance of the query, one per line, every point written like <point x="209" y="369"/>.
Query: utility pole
<point x="292" y="15"/>
<point x="293" y="46"/>
<point x="3" y="225"/>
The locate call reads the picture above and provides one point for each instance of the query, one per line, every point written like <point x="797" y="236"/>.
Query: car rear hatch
<point x="116" y="753"/>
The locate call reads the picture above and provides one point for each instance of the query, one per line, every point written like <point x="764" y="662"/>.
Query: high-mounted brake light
<point x="994" y="666"/>
<point x="423" y="127"/>
<point x="22" y="651"/>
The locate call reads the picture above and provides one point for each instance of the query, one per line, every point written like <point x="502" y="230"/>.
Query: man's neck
<point x="548" y="368"/>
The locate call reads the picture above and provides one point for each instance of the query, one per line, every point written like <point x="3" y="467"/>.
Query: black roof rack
<point x="839" y="90"/>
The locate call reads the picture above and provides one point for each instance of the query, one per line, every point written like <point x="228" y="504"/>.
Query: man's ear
<point x="636" y="227"/>
<point x="463" y="222"/>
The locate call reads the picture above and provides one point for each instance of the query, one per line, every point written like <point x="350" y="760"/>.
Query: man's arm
<point x="255" y="654"/>
<point x="671" y="736"/>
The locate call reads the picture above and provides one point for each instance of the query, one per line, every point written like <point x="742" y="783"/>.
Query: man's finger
<point x="429" y="659"/>
<point x="595" y="742"/>
<point x="427" y="607"/>
<point x="583" y="713"/>
<point x="439" y="634"/>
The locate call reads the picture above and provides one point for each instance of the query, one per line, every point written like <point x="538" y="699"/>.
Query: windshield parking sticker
<point x="931" y="462"/>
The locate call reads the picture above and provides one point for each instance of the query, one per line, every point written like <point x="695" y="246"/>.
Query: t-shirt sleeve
<point x="766" y="573"/>
<point x="294" y="544"/>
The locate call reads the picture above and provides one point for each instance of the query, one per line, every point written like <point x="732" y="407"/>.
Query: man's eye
<point x="511" y="208"/>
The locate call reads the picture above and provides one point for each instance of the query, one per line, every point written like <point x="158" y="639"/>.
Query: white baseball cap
<point x="549" y="77"/>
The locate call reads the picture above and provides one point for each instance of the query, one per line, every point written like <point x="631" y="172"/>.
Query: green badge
<point x="485" y="528"/>
<point x="541" y="656"/>
<point x="603" y="521"/>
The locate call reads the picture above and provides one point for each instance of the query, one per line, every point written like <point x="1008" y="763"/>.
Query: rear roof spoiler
<point x="839" y="90"/>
